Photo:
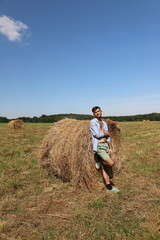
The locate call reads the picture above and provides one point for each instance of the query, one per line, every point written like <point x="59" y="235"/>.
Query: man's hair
<point x="95" y="108"/>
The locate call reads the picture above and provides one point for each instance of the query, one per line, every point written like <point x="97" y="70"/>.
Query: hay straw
<point x="16" y="124"/>
<point x="67" y="153"/>
<point x="116" y="137"/>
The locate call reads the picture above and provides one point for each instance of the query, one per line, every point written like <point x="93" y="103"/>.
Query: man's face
<point x="98" y="113"/>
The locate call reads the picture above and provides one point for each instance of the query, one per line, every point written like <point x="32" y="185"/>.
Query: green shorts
<point x="103" y="151"/>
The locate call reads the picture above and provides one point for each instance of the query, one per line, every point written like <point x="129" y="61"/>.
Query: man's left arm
<point x="109" y="140"/>
<point x="110" y="147"/>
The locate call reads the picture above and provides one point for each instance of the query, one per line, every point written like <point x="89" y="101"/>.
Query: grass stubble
<point x="34" y="206"/>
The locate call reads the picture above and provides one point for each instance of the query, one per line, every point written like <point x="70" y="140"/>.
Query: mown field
<point x="36" y="207"/>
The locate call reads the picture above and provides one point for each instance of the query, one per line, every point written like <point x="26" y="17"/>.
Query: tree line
<point x="56" y="117"/>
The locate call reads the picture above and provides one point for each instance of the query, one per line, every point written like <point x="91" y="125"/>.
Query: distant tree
<point x="54" y="118"/>
<point x="3" y="120"/>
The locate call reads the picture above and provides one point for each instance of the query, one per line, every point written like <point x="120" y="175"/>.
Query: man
<point x="102" y="146"/>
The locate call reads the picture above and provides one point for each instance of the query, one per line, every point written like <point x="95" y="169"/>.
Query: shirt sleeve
<point x="95" y="131"/>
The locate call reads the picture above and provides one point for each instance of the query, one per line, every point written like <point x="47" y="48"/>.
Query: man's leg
<point x="105" y="176"/>
<point x="109" y="162"/>
<point x="103" y="152"/>
<point x="97" y="160"/>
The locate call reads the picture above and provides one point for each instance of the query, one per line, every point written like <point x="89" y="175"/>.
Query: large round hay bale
<point x="16" y="124"/>
<point x="67" y="152"/>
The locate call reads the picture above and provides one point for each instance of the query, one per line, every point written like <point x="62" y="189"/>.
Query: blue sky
<point x="65" y="56"/>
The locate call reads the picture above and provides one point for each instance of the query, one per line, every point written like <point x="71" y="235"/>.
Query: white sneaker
<point x="98" y="165"/>
<point x="116" y="190"/>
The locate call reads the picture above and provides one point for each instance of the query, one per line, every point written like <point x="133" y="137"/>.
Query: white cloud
<point x="12" y="29"/>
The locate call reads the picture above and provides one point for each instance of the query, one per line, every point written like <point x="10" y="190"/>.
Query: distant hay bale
<point x="16" y="124"/>
<point x="67" y="152"/>
<point x="148" y="120"/>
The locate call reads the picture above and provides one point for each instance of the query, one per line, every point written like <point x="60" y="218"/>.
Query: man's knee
<point x="109" y="162"/>
<point x="112" y="164"/>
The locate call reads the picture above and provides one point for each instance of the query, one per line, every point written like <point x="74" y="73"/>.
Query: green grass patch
<point x="96" y="204"/>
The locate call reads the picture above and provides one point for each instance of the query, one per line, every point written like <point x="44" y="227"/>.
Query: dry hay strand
<point x="116" y="136"/>
<point x="16" y="124"/>
<point x="67" y="153"/>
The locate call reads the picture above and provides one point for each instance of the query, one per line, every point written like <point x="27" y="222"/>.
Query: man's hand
<point x="107" y="134"/>
<point x="110" y="152"/>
